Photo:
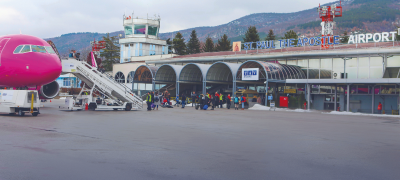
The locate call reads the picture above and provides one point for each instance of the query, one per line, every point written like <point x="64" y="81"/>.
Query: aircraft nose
<point x="51" y="68"/>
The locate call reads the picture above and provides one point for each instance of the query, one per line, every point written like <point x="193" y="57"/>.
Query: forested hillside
<point x="364" y="15"/>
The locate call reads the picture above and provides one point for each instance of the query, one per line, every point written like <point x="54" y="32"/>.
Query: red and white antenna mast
<point x="97" y="46"/>
<point x="327" y="14"/>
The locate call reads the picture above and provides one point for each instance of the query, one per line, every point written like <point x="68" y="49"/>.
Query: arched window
<point x="120" y="77"/>
<point x="130" y="77"/>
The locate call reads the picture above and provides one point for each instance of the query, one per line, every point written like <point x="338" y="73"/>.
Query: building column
<point x="348" y="98"/>
<point x="266" y="93"/>
<point x="234" y="87"/>
<point x="177" y="88"/>
<point x="335" y="106"/>
<point x="204" y="88"/>
<point x="153" y="85"/>
<point x="373" y="99"/>
<point x="308" y="96"/>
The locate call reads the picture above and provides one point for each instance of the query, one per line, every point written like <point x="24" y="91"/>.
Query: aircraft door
<point x="3" y="43"/>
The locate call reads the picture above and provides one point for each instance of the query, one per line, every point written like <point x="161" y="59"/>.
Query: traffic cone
<point x="50" y="100"/>
<point x="86" y="107"/>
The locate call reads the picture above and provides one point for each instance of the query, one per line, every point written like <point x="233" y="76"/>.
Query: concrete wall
<point x="366" y="102"/>
<point x="318" y="101"/>
<point x="390" y="100"/>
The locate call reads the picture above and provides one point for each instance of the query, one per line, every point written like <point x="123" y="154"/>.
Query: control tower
<point x="141" y="39"/>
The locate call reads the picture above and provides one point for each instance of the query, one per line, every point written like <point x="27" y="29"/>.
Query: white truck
<point x="20" y="102"/>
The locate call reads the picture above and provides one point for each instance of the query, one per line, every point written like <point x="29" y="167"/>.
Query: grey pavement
<point x="186" y="144"/>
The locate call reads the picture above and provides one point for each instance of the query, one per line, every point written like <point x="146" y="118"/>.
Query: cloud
<point x="50" y="18"/>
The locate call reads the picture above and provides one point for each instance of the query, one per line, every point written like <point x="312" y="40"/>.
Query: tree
<point x="169" y="44"/>
<point x="209" y="45"/>
<point x="398" y="35"/>
<point x="251" y="35"/>
<point x="345" y="38"/>
<point x="193" y="46"/>
<point x="270" y="35"/>
<point x="223" y="44"/>
<point x="291" y="35"/>
<point x="178" y="44"/>
<point x="111" y="53"/>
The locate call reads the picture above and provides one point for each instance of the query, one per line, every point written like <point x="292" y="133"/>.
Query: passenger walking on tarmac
<point x="193" y="98"/>
<point x="236" y="101"/>
<point x="217" y="101"/>
<point x="208" y="95"/>
<point x="243" y="100"/>
<point x="157" y="100"/>
<point x="379" y="108"/>
<point x="183" y="100"/>
<point x="228" y="102"/>
<point x="148" y="101"/>
<point x="221" y="100"/>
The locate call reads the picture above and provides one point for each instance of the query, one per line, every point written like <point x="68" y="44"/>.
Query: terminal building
<point x="345" y="77"/>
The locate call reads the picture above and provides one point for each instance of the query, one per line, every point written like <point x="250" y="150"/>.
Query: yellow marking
<point x="32" y="101"/>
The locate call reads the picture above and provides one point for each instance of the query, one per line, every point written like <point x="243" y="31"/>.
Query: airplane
<point x="28" y="62"/>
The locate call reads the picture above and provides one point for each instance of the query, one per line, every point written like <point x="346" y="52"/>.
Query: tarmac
<point x="189" y="144"/>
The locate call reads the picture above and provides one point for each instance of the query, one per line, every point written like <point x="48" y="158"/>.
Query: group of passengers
<point x="218" y="99"/>
<point x="74" y="55"/>
<point x="154" y="100"/>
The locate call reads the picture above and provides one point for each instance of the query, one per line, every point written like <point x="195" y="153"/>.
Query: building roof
<point x="344" y="50"/>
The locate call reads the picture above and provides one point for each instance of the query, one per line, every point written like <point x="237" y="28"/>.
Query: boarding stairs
<point x="102" y="82"/>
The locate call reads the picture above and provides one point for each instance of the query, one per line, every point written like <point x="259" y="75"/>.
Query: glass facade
<point x="128" y="30"/>
<point x="363" y="67"/>
<point x="152" y="31"/>
<point x="351" y="68"/>
<point x="326" y="69"/>
<point x="140" y="29"/>
<point x="345" y="68"/>
<point x="393" y="61"/>
<point x="376" y="67"/>
<point x="338" y="68"/>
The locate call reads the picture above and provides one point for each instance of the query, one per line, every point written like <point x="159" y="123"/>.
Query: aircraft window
<point x="27" y="48"/>
<point x="38" y="49"/>
<point x="18" y="49"/>
<point x="50" y="49"/>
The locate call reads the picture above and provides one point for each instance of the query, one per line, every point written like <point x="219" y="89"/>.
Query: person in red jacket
<point x="217" y="102"/>
<point x="228" y="101"/>
<point x="379" y="108"/>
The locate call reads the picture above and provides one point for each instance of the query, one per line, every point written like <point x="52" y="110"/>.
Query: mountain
<point x="364" y="15"/>
<point x="78" y="41"/>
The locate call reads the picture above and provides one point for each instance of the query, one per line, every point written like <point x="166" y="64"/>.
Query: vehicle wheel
<point x="20" y="113"/>
<point x="128" y="107"/>
<point x="35" y="114"/>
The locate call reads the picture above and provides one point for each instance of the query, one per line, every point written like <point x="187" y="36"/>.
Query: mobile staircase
<point x="112" y="94"/>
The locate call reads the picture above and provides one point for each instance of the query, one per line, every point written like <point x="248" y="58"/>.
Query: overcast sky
<point x="51" y="18"/>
